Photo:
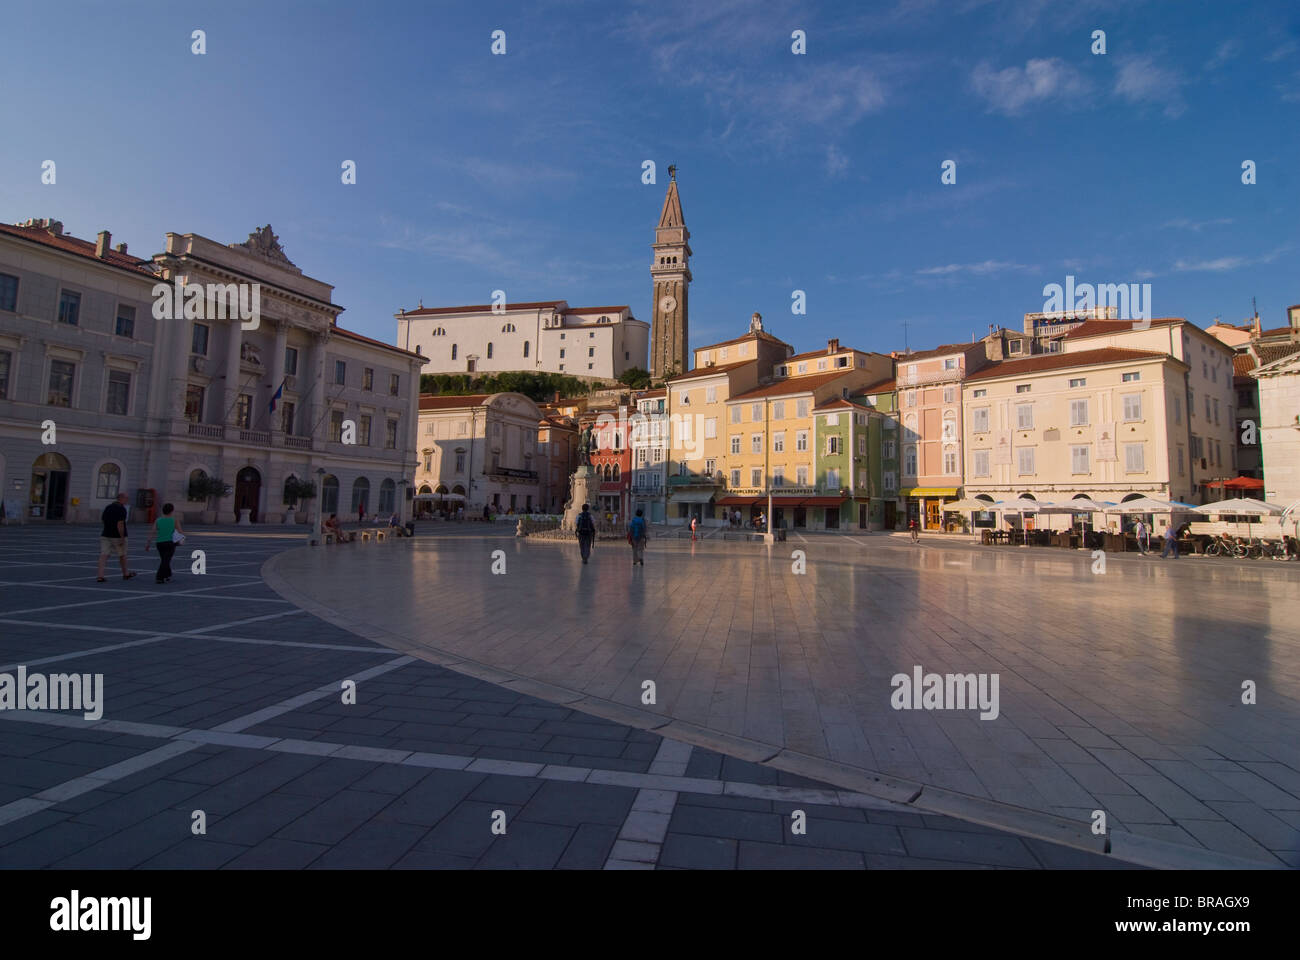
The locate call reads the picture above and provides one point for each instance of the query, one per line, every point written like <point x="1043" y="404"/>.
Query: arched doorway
<point x="329" y="495"/>
<point x="49" y="496"/>
<point x="248" y="492"/>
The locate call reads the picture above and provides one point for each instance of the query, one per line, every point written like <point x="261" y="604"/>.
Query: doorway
<point x="49" y="496"/>
<point x="932" y="514"/>
<point x="248" y="492"/>
<point x="891" y="514"/>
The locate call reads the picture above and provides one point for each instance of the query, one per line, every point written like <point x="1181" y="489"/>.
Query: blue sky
<point x="818" y="172"/>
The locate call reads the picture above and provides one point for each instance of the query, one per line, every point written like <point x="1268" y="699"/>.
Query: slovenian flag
<point x="278" y="394"/>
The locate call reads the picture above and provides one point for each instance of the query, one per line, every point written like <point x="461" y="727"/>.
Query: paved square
<point x="222" y="697"/>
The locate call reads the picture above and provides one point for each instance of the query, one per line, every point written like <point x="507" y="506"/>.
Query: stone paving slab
<point x="320" y="784"/>
<point x="1081" y="707"/>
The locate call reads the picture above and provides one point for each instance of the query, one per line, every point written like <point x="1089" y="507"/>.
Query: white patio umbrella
<point x="1243" y="507"/>
<point x="967" y="505"/>
<point x="1079" y="507"/>
<point x="1021" y="506"/>
<point x="1142" y="505"/>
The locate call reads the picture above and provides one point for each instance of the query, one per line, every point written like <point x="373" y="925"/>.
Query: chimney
<point x="832" y="345"/>
<point x="55" y="227"/>
<point x="120" y="248"/>
<point x="103" y="244"/>
<point x="1258" y="332"/>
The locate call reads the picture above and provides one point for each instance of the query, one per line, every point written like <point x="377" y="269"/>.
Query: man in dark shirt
<point x="112" y="539"/>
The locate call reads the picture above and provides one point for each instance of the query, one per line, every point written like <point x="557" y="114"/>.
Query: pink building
<point x="929" y="401"/>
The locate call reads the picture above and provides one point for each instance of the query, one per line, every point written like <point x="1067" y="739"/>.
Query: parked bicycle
<point x="1224" y="546"/>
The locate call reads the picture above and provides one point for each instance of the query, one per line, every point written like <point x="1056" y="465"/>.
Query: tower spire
<point x="670" y="276"/>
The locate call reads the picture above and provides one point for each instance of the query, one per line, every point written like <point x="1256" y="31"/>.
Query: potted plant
<point x="295" y="490"/>
<point x="204" y="489"/>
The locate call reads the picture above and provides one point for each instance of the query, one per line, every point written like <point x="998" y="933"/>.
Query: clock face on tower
<point x="668" y="304"/>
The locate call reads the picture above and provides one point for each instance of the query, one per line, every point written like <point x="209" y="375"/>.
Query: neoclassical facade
<point x="147" y="396"/>
<point x="481" y="450"/>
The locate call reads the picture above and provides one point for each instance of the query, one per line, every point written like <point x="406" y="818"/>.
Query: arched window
<point x="387" y="496"/>
<point x="425" y="491"/>
<point x="525" y="348"/>
<point x="418" y="350"/>
<point x="329" y="495"/>
<point x="439" y="332"/>
<point x="489" y="353"/>
<point x="453" y="351"/>
<point x="196" y="477"/>
<point x="508" y="328"/>
<point x="617" y="472"/>
<point x="360" y="494"/>
<point x="108" y="481"/>
<point x="290" y="492"/>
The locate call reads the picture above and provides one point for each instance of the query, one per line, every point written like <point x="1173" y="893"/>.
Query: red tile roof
<point x="946" y="349"/>
<point x="429" y="401"/>
<point x="82" y="248"/>
<point x="598" y="309"/>
<point x="1242" y="364"/>
<point x="884" y="386"/>
<point x="764" y="335"/>
<point x="478" y="308"/>
<point x="709" y="371"/>
<point x="1275" y="331"/>
<point x="836" y="404"/>
<point x="792" y="385"/>
<point x="1062" y="361"/>
<point x="824" y="352"/>
<point x="1269" y="352"/>
<point x="1097" y="328"/>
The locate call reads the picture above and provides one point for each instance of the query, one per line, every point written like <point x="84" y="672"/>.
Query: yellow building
<point x="771" y="437"/>
<point x="696" y="410"/>
<point x="1107" y="424"/>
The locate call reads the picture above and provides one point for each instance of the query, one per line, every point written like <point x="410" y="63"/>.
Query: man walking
<point x="586" y="529"/>
<point x="1171" y="541"/>
<point x="911" y="525"/>
<point x="1143" y="537"/>
<point x="636" y="535"/>
<point x="112" y="539"/>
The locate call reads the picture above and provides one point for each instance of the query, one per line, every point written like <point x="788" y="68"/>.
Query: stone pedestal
<point x="244" y="520"/>
<point x="583" y="487"/>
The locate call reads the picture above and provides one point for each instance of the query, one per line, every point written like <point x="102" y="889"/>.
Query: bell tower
<point x="670" y="276"/>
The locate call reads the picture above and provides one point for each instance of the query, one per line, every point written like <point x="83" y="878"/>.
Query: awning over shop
<point x="692" y="496"/>
<point x="738" y="501"/>
<point x="822" y="501"/>
<point x="929" y="491"/>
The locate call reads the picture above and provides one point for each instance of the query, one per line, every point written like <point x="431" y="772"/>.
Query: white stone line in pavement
<point x="151" y="595"/>
<point x="206" y="636"/>
<point x="152" y="638"/>
<point x="657" y="787"/>
<point x="293" y="703"/>
<point x="641" y="837"/>
<point x="225" y="735"/>
<point x="212" y="596"/>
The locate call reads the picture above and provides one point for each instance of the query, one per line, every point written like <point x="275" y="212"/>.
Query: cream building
<point x="482" y="447"/>
<point x="542" y="337"/>
<point x="649" y="442"/>
<point x="1279" y="424"/>
<point x="1206" y="435"/>
<point x="147" y="405"/>
<point x="1099" y="423"/>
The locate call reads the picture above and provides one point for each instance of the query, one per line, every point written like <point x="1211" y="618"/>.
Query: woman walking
<point x="165" y="529"/>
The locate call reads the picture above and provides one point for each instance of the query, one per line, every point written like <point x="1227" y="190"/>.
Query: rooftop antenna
<point x="905" y="347"/>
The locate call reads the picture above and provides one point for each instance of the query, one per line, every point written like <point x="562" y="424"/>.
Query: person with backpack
<point x="586" y="529"/>
<point x="636" y="536"/>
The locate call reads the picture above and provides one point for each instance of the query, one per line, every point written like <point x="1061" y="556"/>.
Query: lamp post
<point x="401" y="502"/>
<point x="320" y="504"/>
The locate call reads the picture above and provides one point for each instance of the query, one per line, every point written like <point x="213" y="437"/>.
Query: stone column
<point x="181" y="333"/>
<point x="315" y="394"/>
<point x="235" y="341"/>
<point x="277" y="371"/>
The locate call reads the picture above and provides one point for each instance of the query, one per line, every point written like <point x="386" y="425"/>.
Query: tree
<point x="635" y="377"/>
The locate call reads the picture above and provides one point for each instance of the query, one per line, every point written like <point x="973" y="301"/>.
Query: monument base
<point x="583" y="487"/>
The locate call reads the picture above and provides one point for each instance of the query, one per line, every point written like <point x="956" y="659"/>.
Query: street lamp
<point x="320" y="504"/>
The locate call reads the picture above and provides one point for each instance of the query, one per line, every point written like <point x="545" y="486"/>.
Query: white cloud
<point x="1009" y="91"/>
<point x="1225" y="52"/>
<point x="1182" y="223"/>
<point x="975" y="269"/>
<point x="1142" y="80"/>
<point x="1209" y="266"/>
<point x="836" y="161"/>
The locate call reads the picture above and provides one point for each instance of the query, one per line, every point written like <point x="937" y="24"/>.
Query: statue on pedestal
<point x="586" y="446"/>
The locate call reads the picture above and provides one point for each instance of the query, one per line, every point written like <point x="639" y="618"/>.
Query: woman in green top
<point x="163" y="529"/>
